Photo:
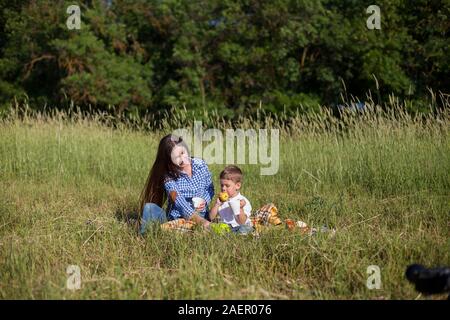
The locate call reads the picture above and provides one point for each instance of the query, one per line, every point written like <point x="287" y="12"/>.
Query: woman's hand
<point x="201" y="207"/>
<point x="206" y="225"/>
<point x="200" y="221"/>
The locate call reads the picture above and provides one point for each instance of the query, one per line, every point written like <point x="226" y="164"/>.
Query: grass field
<point x="68" y="187"/>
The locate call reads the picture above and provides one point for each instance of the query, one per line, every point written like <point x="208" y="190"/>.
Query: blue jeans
<point x="152" y="213"/>
<point x="242" y="229"/>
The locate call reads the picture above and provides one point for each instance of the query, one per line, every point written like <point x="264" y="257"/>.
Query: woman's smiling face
<point x="180" y="156"/>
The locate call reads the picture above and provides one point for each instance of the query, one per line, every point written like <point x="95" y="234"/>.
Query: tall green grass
<point x="69" y="183"/>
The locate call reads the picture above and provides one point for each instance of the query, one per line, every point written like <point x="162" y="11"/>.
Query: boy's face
<point x="230" y="187"/>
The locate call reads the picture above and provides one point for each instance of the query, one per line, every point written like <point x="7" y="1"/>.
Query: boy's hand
<point x="218" y="203"/>
<point x="242" y="203"/>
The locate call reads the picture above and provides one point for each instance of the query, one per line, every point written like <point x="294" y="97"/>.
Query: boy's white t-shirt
<point x="227" y="215"/>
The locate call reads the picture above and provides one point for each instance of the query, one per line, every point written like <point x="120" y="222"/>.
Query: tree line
<point x="231" y="56"/>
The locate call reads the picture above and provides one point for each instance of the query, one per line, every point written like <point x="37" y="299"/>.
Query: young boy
<point x="231" y="182"/>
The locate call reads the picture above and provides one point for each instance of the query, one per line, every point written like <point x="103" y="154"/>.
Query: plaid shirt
<point x="199" y="185"/>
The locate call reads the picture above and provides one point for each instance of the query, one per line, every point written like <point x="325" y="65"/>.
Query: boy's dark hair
<point x="232" y="173"/>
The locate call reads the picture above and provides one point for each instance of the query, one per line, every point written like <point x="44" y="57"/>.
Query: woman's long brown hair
<point x="162" y="168"/>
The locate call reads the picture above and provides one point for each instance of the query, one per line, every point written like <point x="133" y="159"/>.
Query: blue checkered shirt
<point x="199" y="185"/>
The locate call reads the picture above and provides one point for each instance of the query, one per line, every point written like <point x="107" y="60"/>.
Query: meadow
<point x="70" y="185"/>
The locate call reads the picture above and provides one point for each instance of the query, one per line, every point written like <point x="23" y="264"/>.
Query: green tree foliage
<point x="225" y="55"/>
<point x="92" y="66"/>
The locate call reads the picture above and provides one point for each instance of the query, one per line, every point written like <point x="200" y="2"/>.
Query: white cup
<point x="197" y="202"/>
<point x="235" y="205"/>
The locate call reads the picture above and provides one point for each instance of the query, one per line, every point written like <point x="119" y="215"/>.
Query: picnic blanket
<point x="263" y="218"/>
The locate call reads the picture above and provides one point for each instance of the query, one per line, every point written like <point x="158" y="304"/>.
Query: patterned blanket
<point x="263" y="218"/>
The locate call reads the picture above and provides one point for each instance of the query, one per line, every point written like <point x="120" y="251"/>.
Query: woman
<point x="177" y="177"/>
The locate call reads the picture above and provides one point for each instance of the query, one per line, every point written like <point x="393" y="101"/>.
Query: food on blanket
<point x="223" y="196"/>
<point x="268" y="214"/>
<point x="220" y="228"/>
<point x="303" y="227"/>
<point x="301" y="224"/>
<point x="181" y="225"/>
<point x="290" y="224"/>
